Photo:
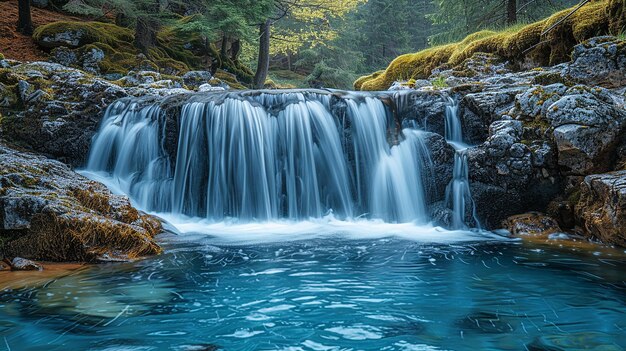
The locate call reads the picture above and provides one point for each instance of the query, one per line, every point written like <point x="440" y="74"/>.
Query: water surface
<point x="329" y="294"/>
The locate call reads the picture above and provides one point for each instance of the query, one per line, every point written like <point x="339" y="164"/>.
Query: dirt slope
<point x="21" y="47"/>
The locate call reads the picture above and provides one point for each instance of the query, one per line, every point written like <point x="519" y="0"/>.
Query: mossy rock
<point x="77" y="34"/>
<point x="1" y="56"/>
<point x="521" y="45"/>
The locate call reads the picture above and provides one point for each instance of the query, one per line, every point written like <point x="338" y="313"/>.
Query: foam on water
<point x="232" y="232"/>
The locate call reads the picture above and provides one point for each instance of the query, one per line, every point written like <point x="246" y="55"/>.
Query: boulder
<point x="479" y="110"/>
<point x="48" y="212"/>
<point x="601" y="210"/>
<point x="599" y="61"/>
<point x="587" y="124"/>
<point x="195" y="79"/>
<point x="532" y="223"/>
<point x="22" y="264"/>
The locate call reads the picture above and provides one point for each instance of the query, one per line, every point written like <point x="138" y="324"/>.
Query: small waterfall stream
<point x="458" y="194"/>
<point x="267" y="156"/>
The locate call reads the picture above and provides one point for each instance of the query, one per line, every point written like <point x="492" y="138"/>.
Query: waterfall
<point x="265" y="156"/>
<point x="458" y="194"/>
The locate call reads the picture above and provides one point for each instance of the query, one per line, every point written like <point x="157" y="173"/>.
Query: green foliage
<point x="455" y="19"/>
<point x="514" y="44"/>
<point x="324" y="76"/>
<point x="287" y="79"/>
<point x="439" y="82"/>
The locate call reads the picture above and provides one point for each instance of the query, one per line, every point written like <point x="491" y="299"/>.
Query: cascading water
<point x="458" y="194"/>
<point x="266" y="156"/>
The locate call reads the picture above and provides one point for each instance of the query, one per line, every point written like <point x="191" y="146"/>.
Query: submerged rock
<point x="48" y="212"/>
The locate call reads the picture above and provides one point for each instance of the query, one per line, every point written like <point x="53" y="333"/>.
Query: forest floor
<point x="17" y="46"/>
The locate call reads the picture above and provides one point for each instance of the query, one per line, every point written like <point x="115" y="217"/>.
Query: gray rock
<point x="24" y="89"/>
<point x="599" y="61"/>
<point x="64" y="56"/>
<point x="586" y="129"/>
<point x="208" y="88"/>
<point x="22" y="264"/>
<point x="194" y="79"/>
<point x="535" y="101"/>
<point x="91" y="60"/>
<point x="70" y="38"/>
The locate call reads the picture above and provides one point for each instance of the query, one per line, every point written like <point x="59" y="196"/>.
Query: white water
<point x="273" y="167"/>
<point x="458" y="194"/>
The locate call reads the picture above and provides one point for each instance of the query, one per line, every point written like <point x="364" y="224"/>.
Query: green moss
<point x="517" y="44"/>
<point x="1" y="56"/>
<point x="439" y="82"/>
<point x="229" y="78"/>
<point x="177" y="50"/>
<point x="91" y="32"/>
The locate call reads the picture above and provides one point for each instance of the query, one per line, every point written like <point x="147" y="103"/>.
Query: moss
<point x="171" y="66"/>
<point x="91" y="32"/>
<point x="549" y="78"/>
<point x="616" y="12"/>
<point x="229" y="78"/>
<point x="416" y="66"/>
<point x="1" y="56"/>
<point x="518" y="44"/>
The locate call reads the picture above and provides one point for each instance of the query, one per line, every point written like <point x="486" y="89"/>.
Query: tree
<point x="511" y="11"/>
<point x="146" y="15"/>
<point x="305" y="22"/>
<point x="24" y="22"/>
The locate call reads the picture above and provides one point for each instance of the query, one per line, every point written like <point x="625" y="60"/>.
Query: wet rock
<point x="50" y="213"/>
<point x="426" y="109"/>
<point x="599" y="61"/>
<point x="22" y="264"/>
<point x="532" y="223"/>
<point x="479" y="110"/>
<point x="601" y="209"/>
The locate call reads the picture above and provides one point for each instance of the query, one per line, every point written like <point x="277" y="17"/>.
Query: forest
<point x="306" y="43"/>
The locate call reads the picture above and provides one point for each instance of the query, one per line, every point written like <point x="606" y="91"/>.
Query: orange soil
<point x="33" y="279"/>
<point x="21" y="47"/>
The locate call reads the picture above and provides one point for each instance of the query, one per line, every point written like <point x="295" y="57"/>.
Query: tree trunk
<point x="147" y="26"/>
<point x="24" y="22"/>
<point x="235" y="48"/>
<point x="146" y="34"/>
<point x="263" y="65"/>
<point x="224" y="48"/>
<point x="511" y="11"/>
